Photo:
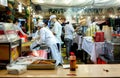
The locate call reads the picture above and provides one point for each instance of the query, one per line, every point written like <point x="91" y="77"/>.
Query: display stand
<point x="9" y="52"/>
<point x="10" y="44"/>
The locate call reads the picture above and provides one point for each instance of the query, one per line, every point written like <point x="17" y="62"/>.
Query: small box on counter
<point x="16" y="69"/>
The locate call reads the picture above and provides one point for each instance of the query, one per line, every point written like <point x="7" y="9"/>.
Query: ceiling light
<point x="53" y="1"/>
<point x="96" y="17"/>
<point x="103" y="17"/>
<point x="41" y="1"/>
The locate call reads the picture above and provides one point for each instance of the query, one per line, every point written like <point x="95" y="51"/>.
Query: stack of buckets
<point x="99" y="36"/>
<point x="105" y="34"/>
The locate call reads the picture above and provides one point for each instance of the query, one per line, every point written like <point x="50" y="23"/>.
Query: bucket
<point x="99" y="36"/>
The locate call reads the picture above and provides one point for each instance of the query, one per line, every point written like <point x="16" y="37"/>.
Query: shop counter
<point x="91" y="70"/>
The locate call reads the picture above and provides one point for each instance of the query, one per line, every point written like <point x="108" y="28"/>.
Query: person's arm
<point x="42" y="37"/>
<point x="22" y="31"/>
<point x="55" y="30"/>
<point x="36" y="36"/>
<point x="77" y="28"/>
<point x="72" y="29"/>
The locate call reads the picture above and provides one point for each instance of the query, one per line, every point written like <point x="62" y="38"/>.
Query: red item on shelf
<point x="99" y="37"/>
<point x="22" y="36"/>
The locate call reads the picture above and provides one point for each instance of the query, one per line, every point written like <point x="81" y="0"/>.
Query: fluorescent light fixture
<point x="20" y="7"/>
<point x="52" y="1"/>
<point x="118" y="1"/>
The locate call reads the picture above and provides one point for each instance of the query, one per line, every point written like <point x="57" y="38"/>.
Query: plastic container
<point x="72" y="62"/>
<point x="16" y="69"/>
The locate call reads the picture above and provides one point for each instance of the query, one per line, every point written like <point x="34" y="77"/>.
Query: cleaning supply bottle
<point x="72" y="61"/>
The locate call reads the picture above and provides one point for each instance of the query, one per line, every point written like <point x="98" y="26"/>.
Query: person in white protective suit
<point x="46" y="36"/>
<point x="57" y="30"/>
<point x="35" y="45"/>
<point x="18" y="28"/>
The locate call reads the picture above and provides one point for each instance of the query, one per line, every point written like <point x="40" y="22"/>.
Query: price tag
<point x="71" y="75"/>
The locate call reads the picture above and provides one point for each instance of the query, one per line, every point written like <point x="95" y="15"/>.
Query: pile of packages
<point x="21" y="64"/>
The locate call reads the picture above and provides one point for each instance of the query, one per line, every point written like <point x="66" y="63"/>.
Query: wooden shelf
<point x="2" y="8"/>
<point x="18" y="14"/>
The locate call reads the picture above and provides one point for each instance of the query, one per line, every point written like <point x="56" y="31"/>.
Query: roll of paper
<point x="107" y="32"/>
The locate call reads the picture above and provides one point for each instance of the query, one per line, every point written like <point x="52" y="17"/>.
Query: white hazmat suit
<point x="49" y="39"/>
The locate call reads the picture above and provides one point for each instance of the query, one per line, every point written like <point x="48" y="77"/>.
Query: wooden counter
<point x="106" y="70"/>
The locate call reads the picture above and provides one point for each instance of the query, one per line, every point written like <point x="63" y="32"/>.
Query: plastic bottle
<point x="72" y="61"/>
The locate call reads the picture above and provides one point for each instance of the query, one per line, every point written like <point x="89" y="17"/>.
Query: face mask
<point x="51" y="23"/>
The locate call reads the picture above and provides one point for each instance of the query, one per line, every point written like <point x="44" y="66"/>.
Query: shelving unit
<point x="10" y="44"/>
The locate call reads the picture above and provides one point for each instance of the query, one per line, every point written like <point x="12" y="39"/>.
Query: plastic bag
<point x="39" y="53"/>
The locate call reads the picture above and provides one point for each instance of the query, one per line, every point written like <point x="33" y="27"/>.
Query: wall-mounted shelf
<point x="2" y="8"/>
